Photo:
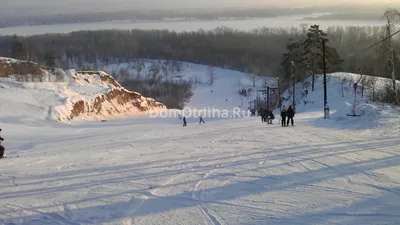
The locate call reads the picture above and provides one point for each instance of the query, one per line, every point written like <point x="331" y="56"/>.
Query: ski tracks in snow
<point x="67" y="219"/>
<point x="133" y="206"/>
<point x="136" y="203"/>
<point x="198" y="195"/>
<point x="155" y="191"/>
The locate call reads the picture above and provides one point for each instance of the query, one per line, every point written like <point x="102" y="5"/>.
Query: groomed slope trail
<point x="225" y="172"/>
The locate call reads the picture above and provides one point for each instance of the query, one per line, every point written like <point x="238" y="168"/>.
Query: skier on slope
<point x="283" y="115"/>
<point x="184" y="122"/>
<point x="201" y="120"/>
<point x="290" y="114"/>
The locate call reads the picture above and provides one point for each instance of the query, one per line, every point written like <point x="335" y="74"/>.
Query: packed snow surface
<point x="228" y="171"/>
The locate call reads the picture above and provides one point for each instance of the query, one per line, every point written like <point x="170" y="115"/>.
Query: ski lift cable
<point x="374" y="45"/>
<point x="376" y="34"/>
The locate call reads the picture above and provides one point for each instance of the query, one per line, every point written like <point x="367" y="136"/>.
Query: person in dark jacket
<point x="270" y="116"/>
<point x="2" y="149"/>
<point x="290" y="114"/>
<point x="262" y="114"/>
<point x="283" y="115"/>
<point x="201" y="120"/>
<point x="184" y="122"/>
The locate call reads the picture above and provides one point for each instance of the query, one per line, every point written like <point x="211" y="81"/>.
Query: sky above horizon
<point x="107" y="5"/>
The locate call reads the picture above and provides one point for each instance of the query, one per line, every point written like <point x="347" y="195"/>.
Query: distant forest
<point x="259" y="51"/>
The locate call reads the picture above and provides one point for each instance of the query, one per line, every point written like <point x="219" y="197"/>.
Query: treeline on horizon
<point x="260" y="51"/>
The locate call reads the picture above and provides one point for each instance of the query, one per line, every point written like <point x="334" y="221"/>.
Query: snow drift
<point x="31" y="92"/>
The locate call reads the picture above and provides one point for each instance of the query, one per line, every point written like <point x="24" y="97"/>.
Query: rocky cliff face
<point x="114" y="101"/>
<point x="69" y="95"/>
<point x="10" y="67"/>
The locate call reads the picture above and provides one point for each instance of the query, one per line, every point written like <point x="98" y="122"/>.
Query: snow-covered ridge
<point x="65" y="95"/>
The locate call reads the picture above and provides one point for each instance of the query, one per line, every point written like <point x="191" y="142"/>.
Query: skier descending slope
<point x="201" y="120"/>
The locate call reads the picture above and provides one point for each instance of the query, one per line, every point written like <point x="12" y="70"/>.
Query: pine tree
<point x="294" y="53"/>
<point x="334" y="62"/>
<point x="50" y="60"/>
<point x="313" y="50"/>
<point x="17" y="48"/>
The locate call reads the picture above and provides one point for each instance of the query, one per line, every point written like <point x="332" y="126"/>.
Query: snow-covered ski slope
<point x="153" y="171"/>
<point x="226" y="83"/>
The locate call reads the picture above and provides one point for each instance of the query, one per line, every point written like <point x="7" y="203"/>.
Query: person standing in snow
<point x="290" y="114"/>
<point x="2" y="149"/>
<point x="184" y="122"/>
<point x="270" y="116"/>
<point x="283" y="115"/>
<point x="262" y="114"/>
<point x="305" y="93"/>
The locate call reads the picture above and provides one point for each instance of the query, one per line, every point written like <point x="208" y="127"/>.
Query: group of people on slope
<point x="287" y="113"/>
<point x="266" y="115"/>
<point x="185" y="122"/>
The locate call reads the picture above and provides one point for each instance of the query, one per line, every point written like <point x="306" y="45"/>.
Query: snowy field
<point x="153" y="171"/>
<point x="143" y="170"/>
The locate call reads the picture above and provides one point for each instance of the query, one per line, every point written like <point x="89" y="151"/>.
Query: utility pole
<point x="279" y="94"/>
<point x="392" y="58"/>
<point x="326" y="108"/>
<point x="265" y="83"/>
<point x="294" y="85"/>
<point x="314" y="67"/>
<point x="268" y="97"/>
<point x="265" y="88"/>
<point x="313" y="77"/>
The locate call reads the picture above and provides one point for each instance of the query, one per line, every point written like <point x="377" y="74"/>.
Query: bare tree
<point x="364" y="82"/>
<point x="390" y="15"/>
<point x="344" y="81"/>
<point x="371" y="82"/>
<point x="211" y="75"/>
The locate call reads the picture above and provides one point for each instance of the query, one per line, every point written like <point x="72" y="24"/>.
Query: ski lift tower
<point x="267" y="95"/>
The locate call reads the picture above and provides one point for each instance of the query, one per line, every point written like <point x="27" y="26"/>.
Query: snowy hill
<point x="29" y="93"/>
<point x="222" y="94"/>
<point x="341" y="101"/>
